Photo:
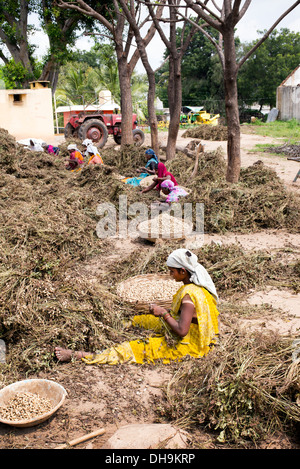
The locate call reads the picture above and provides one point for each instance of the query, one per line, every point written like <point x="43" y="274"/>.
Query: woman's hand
<point x="157" y="310"/>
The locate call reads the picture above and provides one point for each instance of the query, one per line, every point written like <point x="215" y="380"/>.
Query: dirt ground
<point x="111" y="397"/>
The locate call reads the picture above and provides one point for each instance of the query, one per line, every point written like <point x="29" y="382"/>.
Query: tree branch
<point x="208" y="36"/>
<point x="244" y="9"/>
<point x="216" y="23"/>
<point x="85" y="9"/>
<point x="266" y="35"/>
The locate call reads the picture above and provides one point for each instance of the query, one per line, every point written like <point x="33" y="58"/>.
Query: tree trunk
<point x="151" y="94"/>
<point x="50" y="73"/>
<point x="174" y="97"/>
<point x="231" y="108"/>
<point x="126" y="100"/>
<point x="131" y="14"/>
<point x="151" y="112"/>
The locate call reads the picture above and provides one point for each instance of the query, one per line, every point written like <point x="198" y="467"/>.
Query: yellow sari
<point x="196" y="343"/>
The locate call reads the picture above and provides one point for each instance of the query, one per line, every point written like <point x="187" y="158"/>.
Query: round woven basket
<point x="135" y="290"/>
<point x="146" y="181"/>
<point x="148" y="230"/>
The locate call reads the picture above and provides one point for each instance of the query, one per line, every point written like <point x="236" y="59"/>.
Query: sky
<point x="260" y="16"/>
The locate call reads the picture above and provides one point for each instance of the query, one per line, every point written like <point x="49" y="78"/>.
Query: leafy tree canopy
<point x="271" y="63"/>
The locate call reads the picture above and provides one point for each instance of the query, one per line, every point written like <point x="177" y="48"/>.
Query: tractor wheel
<point x="95" y="130"/>
<point x="68" y="131"/>
<point x="117" y="139"/>
<point x="138" y="137"/>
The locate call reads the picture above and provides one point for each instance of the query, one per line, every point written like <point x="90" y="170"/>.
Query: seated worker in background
<point x="192" y="321"/>
<point x="152" y="162"/>
<point x="162" y="174"/>
<point x="93" y="155"/>
<point x="50" y="149"/>
<point x="147" y="170"/>
<point x="75" y="160"/>
<point x="35" y="145"/>
<point x="172" y="192"/>
<point x="87" y="142"/>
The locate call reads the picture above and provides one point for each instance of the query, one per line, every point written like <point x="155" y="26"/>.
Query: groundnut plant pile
<point x="48" y="231"/>
<point x="48" y="219"/>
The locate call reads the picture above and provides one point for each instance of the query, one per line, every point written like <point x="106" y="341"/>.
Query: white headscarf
<point x="92" y="149"/>
<point x="185" y="259"/>
<point x="87" y="142"/>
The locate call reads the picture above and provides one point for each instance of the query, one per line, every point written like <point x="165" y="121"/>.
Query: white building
<point x="27" y="112"/>
<point x="288" y="97"/>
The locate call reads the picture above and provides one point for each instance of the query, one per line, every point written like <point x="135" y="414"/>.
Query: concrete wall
<point x="288" y="102"/>
<point x="27" y="113"/>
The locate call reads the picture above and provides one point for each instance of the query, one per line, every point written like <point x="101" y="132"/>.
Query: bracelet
<point x="167" y="315"/>
<point x="166" y="312"/>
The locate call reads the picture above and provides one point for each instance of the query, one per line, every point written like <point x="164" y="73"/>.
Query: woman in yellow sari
<point x="192" y="320"/>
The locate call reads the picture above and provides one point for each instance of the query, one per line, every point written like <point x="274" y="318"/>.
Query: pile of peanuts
<point x="24" y="406"/>
<point x="147" y="290"/>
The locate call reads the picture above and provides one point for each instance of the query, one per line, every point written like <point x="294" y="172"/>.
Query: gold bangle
<point x="168" y="315"/>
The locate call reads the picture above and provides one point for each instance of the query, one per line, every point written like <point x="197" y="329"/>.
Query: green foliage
<point x="75" y="85"/>
<point x="15" y="74"/>
<point x="270" y="64"/>
<point x="62" y="26"/>
<point x="200" y="69"/>
<point x="81" y="80"/>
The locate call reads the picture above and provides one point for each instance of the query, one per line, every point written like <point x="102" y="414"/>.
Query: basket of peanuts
<point x="164" y="226"/>
<point x="142" y="290"/>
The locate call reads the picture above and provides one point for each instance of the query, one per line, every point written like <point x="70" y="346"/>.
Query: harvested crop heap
<point x="48" y="231"/>
<point x="286" y="149"/>
<point x="258" y="201"/>
<point x="207" y="132"/>
<point x="249" y="390"/>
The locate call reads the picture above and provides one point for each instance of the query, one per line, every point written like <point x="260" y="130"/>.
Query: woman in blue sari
<point x="147" y="170"/>
<point x="152" y="162"/>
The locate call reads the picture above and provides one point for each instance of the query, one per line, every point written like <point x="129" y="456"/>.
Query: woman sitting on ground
<point x="94" y="156"/>
<point x="162" y="174"/>
<point x="147" y="170"/>
<point x="152" y="162"/>
<point x="75" y="160"/>
<point x="172" y="192"/>
<point x="192" y="319"/>
<point x="50" y="149"/>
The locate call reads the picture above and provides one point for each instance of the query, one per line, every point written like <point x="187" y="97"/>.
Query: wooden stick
<point x="199" y="149"/>
<point x="100" y="431"/>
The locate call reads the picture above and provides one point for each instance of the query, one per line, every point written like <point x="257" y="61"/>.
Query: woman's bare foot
<point x="65" y="355"/>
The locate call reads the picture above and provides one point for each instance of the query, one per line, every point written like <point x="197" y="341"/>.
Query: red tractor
<point x="98" y="126"/>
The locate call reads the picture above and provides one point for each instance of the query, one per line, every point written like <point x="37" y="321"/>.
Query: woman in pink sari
<point x="162" y="174"/>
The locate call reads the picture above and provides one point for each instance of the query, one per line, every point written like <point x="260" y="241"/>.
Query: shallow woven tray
<point x="153" y="235"/>
<point x="142" y="305"/>
<point x="146" y="181"/>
